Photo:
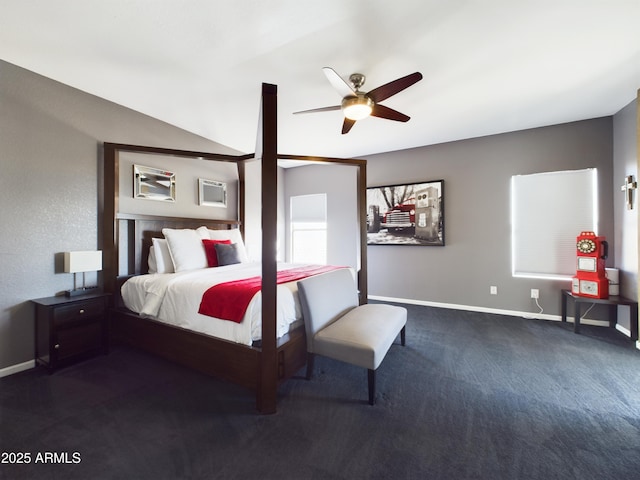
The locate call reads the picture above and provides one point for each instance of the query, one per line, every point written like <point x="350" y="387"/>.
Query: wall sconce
<point x="76" y="262"/>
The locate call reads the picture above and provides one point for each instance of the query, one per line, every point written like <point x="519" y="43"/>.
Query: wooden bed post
<point x="110" y="201"/>
<point x="241" y="195"/>
<point x="268" y="379"/>
<point x="362" y="219"/>
<point x="262" y="368"/>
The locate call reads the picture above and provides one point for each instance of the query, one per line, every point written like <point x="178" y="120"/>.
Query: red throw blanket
<point x="229" y="300"/>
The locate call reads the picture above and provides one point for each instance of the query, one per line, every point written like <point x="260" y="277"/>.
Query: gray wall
<point x="50" y="137"/>
<point x="625" y="156"/>
<point x="477" y="175"/>
<point x="477" y="254"/>
<point x="187" y="172"/>
<point x="339" y="183"/>
<point x="253" y="211"/>
<point x="625" y="162"/>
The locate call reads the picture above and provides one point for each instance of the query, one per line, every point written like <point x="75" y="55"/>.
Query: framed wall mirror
<point x="212" y="193"/>
<point x="154" y="184"/>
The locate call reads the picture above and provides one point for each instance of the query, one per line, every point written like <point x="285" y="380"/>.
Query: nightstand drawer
<point x="78" y="311"/>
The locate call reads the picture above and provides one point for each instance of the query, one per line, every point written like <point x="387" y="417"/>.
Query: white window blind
<point x="309" y="208"/>
<point x="548" y="212"/>
<point x="309" y="229"/>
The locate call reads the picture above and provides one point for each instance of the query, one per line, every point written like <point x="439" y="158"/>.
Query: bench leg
<point x="372" y="386"/>
<point x="310" y="359"/>
<point x="403" y="335"/>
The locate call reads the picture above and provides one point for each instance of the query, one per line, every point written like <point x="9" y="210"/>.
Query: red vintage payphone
<point x="590" y="279"/>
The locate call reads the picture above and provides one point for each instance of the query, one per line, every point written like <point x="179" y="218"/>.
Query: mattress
<point x="174" y="298"/>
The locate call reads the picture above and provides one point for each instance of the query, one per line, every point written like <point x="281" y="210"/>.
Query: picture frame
<point x="212" y="193"/>
<point x="406" y="214"/>
<point x="152" y="183"/>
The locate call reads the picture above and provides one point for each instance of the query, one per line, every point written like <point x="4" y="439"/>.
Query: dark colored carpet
<point x="471" y="396"/>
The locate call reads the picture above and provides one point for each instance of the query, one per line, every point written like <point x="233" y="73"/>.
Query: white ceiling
<point x="489" y="66"/>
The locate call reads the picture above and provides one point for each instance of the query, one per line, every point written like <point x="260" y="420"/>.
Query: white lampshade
<point x="88" y="261"/>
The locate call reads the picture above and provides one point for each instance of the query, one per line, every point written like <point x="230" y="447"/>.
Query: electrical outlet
<point x="535" y="293"/>
<point x="493" y="290"/>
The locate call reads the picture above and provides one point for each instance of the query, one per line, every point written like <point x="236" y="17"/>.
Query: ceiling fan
<point x="357" y="105"/>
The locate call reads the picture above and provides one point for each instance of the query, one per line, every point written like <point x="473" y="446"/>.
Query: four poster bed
<point x="273" y="353"/>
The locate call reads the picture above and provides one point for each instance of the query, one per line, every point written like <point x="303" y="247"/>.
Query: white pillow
<point x="233" y="235"/>
<point x="163" y="262"/>
<point x="186" y="249"/>
<point x="151" y="261"/>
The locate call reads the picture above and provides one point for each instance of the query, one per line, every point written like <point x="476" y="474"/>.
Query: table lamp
<point x="76" y="262"/>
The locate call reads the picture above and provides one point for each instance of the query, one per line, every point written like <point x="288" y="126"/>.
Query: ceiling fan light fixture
<point x="357" y="108"/>
<point x="357" y="105"/>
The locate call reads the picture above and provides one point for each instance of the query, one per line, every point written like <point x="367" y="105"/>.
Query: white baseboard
<point x="624" y="330"/>
<point x="497" y="311"/>
<point x="21" y="367"/>
<point x="454" y="306"/>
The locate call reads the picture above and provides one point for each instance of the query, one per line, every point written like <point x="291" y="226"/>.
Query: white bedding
<point x="174" y="298"/>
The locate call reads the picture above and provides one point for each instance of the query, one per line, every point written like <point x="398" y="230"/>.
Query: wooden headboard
<point x="134" y="241"/>
<point x="125" y="238"/>
<point x="136" y="232"/>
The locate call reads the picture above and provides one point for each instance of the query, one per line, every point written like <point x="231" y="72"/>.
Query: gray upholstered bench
<point x="338" y="327"/>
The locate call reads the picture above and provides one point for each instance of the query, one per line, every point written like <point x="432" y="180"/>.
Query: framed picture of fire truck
<point x="406" y="214"/>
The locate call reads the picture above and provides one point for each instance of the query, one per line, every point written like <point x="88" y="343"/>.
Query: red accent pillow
<point x="210" y="250"/>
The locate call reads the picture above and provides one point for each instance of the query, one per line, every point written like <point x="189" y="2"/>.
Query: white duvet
<point x="174" y="298"/>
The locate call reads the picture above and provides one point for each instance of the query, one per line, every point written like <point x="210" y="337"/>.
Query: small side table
<point x="69" y="329"/>
<point x="613" y="301"/>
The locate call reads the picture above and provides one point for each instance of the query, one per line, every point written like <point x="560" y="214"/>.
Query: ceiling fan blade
<point x="343" y="88"/>
<point x="381" y="111"/>
<point x="346" y="126"/>
<point x="388" y="89"/>
<point x="322" y="109"/>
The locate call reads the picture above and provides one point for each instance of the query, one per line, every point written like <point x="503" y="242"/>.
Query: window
<point x="309" y="229"/>
<point x="548" y="212"/>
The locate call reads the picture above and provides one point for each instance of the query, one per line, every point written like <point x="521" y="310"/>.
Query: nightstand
<point x="69" y="329"/>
